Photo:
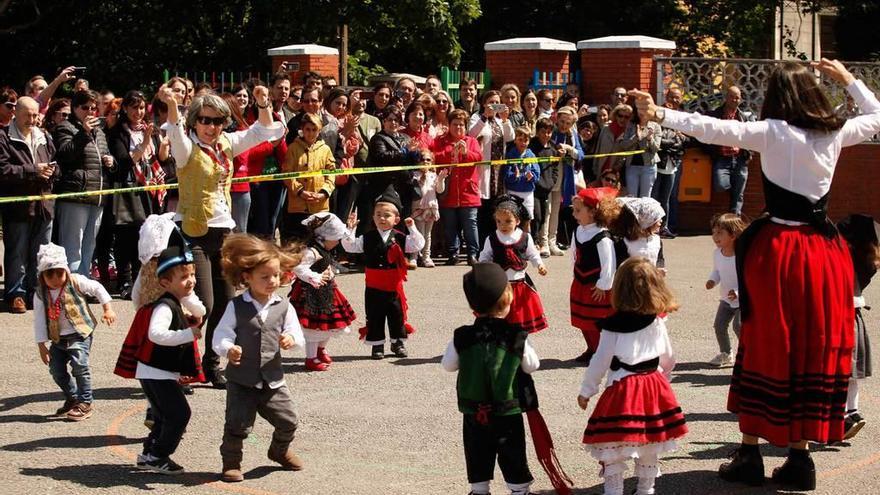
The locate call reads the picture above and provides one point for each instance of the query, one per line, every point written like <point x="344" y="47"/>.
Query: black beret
<point x="172" y="256"/>
<point x="390" y="196"/>
<point x="484" y="285"/>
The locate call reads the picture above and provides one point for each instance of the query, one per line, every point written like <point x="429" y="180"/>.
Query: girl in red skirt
<point x="594" y="262"/>
<point x="322" y="309"/>
<point x="637" y="417"/>
<point x="789" y="383"/>
<point x="513" y="249"/>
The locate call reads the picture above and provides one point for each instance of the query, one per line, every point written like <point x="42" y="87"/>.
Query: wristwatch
<point x="660" y="115"/>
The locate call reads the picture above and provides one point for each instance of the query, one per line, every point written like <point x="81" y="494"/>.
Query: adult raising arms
<point x="789" y="385"/>
<point x="203" y="153"/>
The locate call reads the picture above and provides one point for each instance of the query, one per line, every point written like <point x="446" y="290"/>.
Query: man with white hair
<point x="26" y="168"/>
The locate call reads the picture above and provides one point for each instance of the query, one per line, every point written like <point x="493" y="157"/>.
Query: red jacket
<point x="463" y="184"/>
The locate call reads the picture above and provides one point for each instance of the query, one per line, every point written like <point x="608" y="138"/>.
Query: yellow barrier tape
<point x="300" y="175"/>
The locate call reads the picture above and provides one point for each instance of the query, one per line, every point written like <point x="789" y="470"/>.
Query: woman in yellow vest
<point x="204" y="153"/>
<point x="307" y="195"/>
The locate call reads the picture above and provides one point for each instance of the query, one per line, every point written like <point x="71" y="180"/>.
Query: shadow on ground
<point x="115" y="393"/>
<point x="89" y="442"/>
<point x="114" y="475"/>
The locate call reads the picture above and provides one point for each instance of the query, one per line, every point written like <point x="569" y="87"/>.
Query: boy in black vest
<point x="385" y="266"/>
<point x="164" y="352"/>
<point x="492" y="358"/>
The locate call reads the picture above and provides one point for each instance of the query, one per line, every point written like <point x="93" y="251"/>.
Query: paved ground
<point x="390" y="427"/>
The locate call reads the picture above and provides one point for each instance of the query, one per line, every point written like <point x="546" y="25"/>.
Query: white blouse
<point x="607" y="258"/>
<point x="724" y="275"/>
<point x="532" y="254"/>
<point x="798" y="160"/>
<point x="630" y="348"/>
<point x="645" y="247"/>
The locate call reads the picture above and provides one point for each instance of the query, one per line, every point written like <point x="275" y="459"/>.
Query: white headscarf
<point x="154" y="235"/>
<point x="51" y="256"/>
<point x="332" y="228"/>
<point x="646" y="210"/>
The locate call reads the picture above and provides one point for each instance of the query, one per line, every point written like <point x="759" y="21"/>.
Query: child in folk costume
<point x="726" y="228"/>
<point x="861" y="233"/>
<point x="513" y="249"/>
<point x="385" y="268"/>
<point x="594" y="262"/>
<point x="637" y="226"/>
<point x="63" y="319"/>
<point x="322" y="309"/>
<point x="256" y="325"/>
<point x="162" y="346"/>
<point x="494" y="361"/>
<point x="637" y="415"/>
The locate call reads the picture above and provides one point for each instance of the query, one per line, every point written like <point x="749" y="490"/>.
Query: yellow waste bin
<point x="696" y="177"/>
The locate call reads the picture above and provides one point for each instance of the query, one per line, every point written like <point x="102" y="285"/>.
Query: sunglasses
<point x="610" y="180"/>
<point x="218" y="121"/>
<point x="88" y="108"/>
<point x="620" y="95"/>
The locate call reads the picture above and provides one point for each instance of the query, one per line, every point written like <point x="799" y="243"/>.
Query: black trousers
<point x="292" y="228"/>
<point x="503" y="437"/>
<point x="382" y="306"/>
<point x="485" y="221"/>
<point x="211" y="288"/>
<point x="125" y="252"/>
<point x="170" y="413"/>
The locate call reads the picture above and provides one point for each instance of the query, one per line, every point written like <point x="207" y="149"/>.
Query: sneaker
<point x="428" y="263"/>
<point x="65" y="408"/>
<point x="721" y="360"/>
<point x="378" y="352"/>
<point x="852" y="424"/>
<point x="80" y="411"/>
<point x="142" y="460"/>
<point x="398" y="349"/>
<point x="163" y="465"/>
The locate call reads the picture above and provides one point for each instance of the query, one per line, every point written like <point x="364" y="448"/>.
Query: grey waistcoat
<point x="261" y="352"/>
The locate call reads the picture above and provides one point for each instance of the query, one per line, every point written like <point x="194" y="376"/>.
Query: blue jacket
<point x="515" y="174"/>
<point x="568" y="188"/>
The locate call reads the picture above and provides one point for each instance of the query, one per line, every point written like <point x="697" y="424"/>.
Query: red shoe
<point x="323" y="356"/>
<point x="315" y="364"/>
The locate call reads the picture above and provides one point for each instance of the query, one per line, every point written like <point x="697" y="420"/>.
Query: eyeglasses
<point x="88" y="108"/>
<point x="204" y="120"/>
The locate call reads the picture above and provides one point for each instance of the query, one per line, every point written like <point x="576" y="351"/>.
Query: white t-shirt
<point x="724" y="275"/>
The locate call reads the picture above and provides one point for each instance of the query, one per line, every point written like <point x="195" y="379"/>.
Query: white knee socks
<point x="852" y="396"/>
<point x="311" y="350"/>
<point x="647" y="469"/>
<point x="480" y="488"/>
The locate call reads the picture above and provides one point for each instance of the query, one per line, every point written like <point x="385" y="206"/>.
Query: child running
<point x="322" y="309"/>
<point x="726" y="228"/>
<point x="637" y="226"/>
<point x="637" y="415"/>
<point x="513" y="249"/>
<point x="385" y="268"/>
<point x="861" y="234"/>
<point x="594" y="263"/>
<point x="256" y="325"/>
<point x="62" y="316"/>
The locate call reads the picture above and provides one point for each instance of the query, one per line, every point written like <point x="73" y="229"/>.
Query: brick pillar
<point x="515" y="60"/>
<point x="316" y="58"/>
<point x="613" y="61"/>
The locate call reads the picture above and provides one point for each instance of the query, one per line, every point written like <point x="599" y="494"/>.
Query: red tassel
<point x="362" y="333"/>
<point x="547" y="454"/>
<point x="409" y="329"/>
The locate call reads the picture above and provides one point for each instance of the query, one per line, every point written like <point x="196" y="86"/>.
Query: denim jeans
<point x="640" y="180"/>
<point x="662" y="192"/>
<point x="77" y="225"/>
<point x="268" y="199"/>
<point x="456" y="220"/>
<point x="241" y="208"/>
<point x="731" y="174"/>
<point x="74" y="349"/>
<point x="22" y="240"/>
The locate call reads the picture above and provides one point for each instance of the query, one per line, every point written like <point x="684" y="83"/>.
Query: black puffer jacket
<point x="79" y="155"/>
<point x="18" y="174"/>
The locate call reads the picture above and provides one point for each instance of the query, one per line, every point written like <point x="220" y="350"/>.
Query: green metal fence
<point x="219" y="80"/>
<point x="450" y="80"/>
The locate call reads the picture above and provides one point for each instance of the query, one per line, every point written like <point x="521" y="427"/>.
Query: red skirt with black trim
<point x="585" y="311"/>
<point x="339" y="316"/>
<point x="526" y="310"/>
<point x="795" y="349"/>
<point x="640" y="409"/>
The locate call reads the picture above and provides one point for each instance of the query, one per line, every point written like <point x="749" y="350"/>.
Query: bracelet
<point x="262" y="106"/>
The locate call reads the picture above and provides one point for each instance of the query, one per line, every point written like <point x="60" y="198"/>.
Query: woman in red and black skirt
<point x="637" y="417"/>
<point x="320" y="306"/>
<point x="790" y="380"/>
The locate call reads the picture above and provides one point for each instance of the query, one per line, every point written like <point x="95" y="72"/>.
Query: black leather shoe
<point x="472" y="260"/>
<point x="218" y="380"/>
<point x="451" y="260"/>
<point x="797" y="473"/>
<point x="378" y="352"/>
<point x="745" y="467"/>
<point x="398" y="349"/>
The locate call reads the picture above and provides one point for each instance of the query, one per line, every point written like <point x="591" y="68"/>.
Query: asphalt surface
<point x="392" y="427"/>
